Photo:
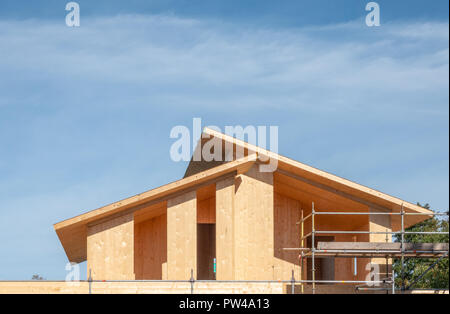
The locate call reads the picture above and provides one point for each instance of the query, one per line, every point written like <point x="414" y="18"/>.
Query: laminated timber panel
<point x="182" y="236"/>
<point x="206" y="213"/>
<point x="344" y="267"/>
<point x="380" y="223"/>
<point x="150" y="240"/>
<point x="110" y="249"/>
<point x="288" y="190"/>
<point x="253" y="221"/>
<point x="286" y="235"/>
<point x="225" y="190"/>
<point x="206" y="204"/>
<point x="149" y="212"/>
<point x="159" y="287"/>
<point x="138" y="287"/>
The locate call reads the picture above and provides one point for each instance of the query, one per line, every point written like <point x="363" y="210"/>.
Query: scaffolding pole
<point x="377" y="232"/>
<point x="393" y="281"/>
<point x="301" y="253"/>
<point x="376" y="213"/>
<point x="402" y="247"/>
<point x="384" y="252"/>
<point x="313" y="251"/>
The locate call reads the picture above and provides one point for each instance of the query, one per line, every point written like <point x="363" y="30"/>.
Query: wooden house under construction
<point x="229" y="220"/>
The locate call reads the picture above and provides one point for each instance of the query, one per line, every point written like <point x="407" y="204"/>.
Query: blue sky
<point x="85" y="113"/>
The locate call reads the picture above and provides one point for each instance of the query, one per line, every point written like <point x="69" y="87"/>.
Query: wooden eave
<point x="73" y="232"/>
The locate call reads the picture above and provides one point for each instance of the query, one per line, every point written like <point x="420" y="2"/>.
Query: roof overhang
<point x="332" y="183"/>
<point x="73" y="232"/>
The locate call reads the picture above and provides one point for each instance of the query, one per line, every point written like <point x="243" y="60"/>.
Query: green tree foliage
<point x="415" y="267"/>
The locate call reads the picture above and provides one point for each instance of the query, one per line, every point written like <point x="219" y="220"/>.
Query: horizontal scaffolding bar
<point x="346" y="281"/>
<point x="195" y="280"/>
<point x="423" y="232"/>
<point x="374" y="289"/>
<point x="381" y="232"/>
<point x="369" y="213"/>
<point x="379" y="251"/>
<point x="378" y="213"/>
<point x="374" y="255"/>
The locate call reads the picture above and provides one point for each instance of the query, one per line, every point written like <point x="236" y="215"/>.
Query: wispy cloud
<point x="187" y="62"/>
<point x="85" y="113"/>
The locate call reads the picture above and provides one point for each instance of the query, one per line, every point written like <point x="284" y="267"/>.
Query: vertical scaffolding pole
<point x="393" y="281"/>
<point x="293" y="283"/>
<point x="191" y="280"/>
<point x="90" y="281"/>
<point x="402" y="246"/>
<point x="355" y="261"/>
<point x="313" y="231"/>
<point x="387" y="259"/>
<point x="301" y="252"/>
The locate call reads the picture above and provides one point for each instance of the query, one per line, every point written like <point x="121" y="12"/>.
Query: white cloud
<point x="187" y="62"/>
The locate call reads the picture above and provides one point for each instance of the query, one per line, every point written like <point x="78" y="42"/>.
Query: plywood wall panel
<point x="151" y="248"/>
<point x="110" y="249"/>
<point x="286" y="235"/>
<point x="182" y="236"/>
<point x="344" y="267"/>
<point x="206" y="213"/>
<point x="380" y="223"/>
<point x="225" y="190"/>
<point x="253" y="221"/>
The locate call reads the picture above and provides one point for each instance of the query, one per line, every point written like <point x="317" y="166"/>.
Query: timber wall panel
<point x="343" y="267"/>
<point x="49" y="287"/>
<point x="324" y="202"/>
<point x="151" y="248"/>
<point x="206" y="213"/>
<point x="225" y="190"/>
<point x="110" y="249"/>
<point x="286" y="235"/>
<point x="253" y="221"/>
<point x="380" y="223"/>
<point x="182" y="236"/>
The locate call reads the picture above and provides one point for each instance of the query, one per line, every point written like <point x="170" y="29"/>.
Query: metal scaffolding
<point x="402" y="252"/>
